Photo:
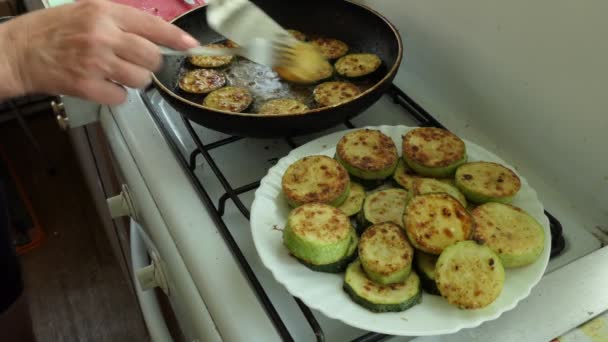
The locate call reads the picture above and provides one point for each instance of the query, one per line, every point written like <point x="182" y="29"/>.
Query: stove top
<point x="216" y="162"/>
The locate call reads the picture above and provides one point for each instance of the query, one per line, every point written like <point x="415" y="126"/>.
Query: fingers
<point x="101" y="91"/>
<point x="139" y="51"/>
<point x="152" y="28"/>
<point x="129" y="74"/>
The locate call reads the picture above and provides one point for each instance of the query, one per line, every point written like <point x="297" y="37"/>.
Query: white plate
<point x="323" y="291"/>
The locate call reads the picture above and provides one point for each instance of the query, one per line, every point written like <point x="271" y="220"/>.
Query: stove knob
<point x="122" y="204"/>
<point x="59" y="111"/>
<point x="152" y="275"/>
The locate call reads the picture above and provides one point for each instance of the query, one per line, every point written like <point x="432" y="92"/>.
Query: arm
<point x="9" y="86"/>
<point x="84" y="49"/>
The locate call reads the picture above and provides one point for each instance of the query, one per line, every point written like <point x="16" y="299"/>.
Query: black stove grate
<point x="399" y="97"/>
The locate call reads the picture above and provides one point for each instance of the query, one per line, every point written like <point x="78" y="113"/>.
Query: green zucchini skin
<point x="483" y="182"/>
<point x="353" y="204"/>
<point x="424" y="264"/>
<point x="513" y="234"/>
<point x="367" y="154"/>
<point x="368" y="184"/>
<point x="340" y="265"/>
<point x="436" y="172"/>
<point x="381" y="298"/>
<point x="317" y="233"/>
<point x="385" y="253"/>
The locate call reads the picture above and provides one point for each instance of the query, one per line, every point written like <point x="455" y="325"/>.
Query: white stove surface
<point x="247" y="161"/>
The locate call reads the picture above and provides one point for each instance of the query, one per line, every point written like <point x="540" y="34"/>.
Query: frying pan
<point x="363" y="29"/>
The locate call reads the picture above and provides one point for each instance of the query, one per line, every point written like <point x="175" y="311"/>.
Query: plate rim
<point x="474" y="323"/>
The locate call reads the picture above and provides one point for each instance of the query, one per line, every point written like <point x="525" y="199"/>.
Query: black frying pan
<point x="362" y="28"/>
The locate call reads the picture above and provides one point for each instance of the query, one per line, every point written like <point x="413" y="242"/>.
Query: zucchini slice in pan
<point x="283" y="106"/>
<point x="202" y="81"/>
<point x="319" y="179"/>
<point x="340" y="265"/>
<point x="367" y="154"/>
<point x="333" y="93"/>
<point x="357" y="64"/>
<point x="430" y="185"/>
<point x="469" y="275"/>
<point x="385" y="253"/>
<point x="231" y="99"/>
<point x="425" y="267"/>
<point x="435" y="221"/>
<point x="513" y="234"/>
<point x="381" y="298"/>
<point x="384" y="206"/>
<point x="318" y="234"/>
<point x="354" y="202"/>
<point x="211" y="61"/>
<point x="485" y="182"/>
<point x="330" y="48"/>
<point x="433" y="152"/>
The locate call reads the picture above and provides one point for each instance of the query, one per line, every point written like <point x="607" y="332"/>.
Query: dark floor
<point x="77" y="290"/>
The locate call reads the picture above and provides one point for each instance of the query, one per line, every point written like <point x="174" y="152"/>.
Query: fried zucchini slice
<point x="385" y="253"/>
<point x="367" y="154"/>
<point x="211" y="61"/>
<point x="330" y="48"/>
<point x="354" y="202"/>
<point x="202" y="81"/>
<point x="333" y="93"/>
<point x="424" y="264"/>
<point x="283" y="106"/>
<point x="469" y="275"/>
<point x="430" y="185"/>
<point x="384" y="206"/>
<point x="298" y="35"/>
<point x="435" y="221"/>
<point x="381" y="298"/>
<point x="340" y="265"/>
<point x="483" y="182"/>
<point x="317" y="233"/>
<point x="513" y="234"/>
<point x="358" y="64"/>
<point x="318" y="179"/>
<point x="433" y="152"/>
<point x="404" y="176"/>
<point x="231" y="99"/>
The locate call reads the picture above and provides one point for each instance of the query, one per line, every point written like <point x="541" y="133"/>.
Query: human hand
<point x="82" y="49"/>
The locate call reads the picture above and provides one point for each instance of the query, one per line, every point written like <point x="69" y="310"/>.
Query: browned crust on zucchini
<point x="232" y="99"/>
<point x="202" y="81"/>
<point x="382" y="153"/>
<point x="450" y="149"/>
<point x="211" y="61"/>
<point x="330" y="48"/>
<point x="333" y="93"/>
<point x="304" y="168"/>
<point x="335" y="224"/>
<point x="426" y="223"/>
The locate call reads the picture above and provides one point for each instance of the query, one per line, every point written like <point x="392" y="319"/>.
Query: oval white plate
<point x="323" y="291"/>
